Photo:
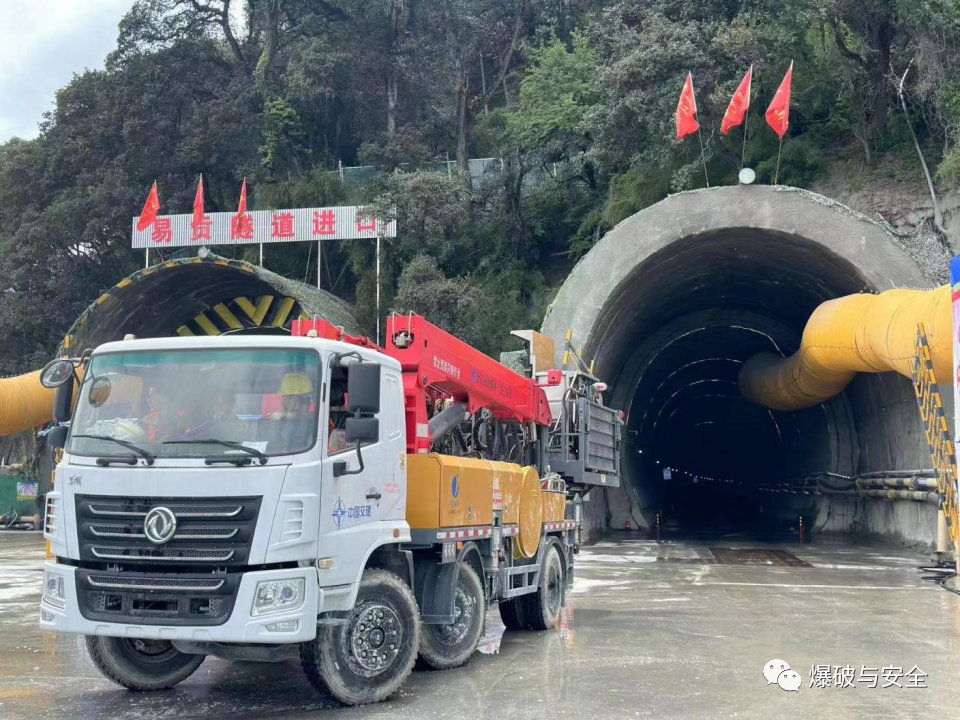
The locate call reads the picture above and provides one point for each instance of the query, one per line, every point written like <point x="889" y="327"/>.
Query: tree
<point x="450" y="304"/>
<point x="557" y="92"/>
<point x="865" y="32"/>
<point x="473" y="29"/>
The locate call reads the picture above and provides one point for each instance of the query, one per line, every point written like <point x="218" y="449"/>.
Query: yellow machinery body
<point x="445" y="491"/>
<point x="858" y="333"/>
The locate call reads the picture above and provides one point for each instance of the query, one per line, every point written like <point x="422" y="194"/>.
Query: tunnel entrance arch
<point x="670" y="304"/>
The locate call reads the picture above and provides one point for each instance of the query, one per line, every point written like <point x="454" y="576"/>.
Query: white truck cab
<point x="217" y="469"/>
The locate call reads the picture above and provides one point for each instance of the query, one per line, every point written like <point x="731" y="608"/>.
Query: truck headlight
<point x="53" y="589"/>
<point x="278" y="595"/>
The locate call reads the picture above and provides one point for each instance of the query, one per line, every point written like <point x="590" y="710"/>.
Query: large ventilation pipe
<point x="24" y="403"/>
<point x="849" y="335"/>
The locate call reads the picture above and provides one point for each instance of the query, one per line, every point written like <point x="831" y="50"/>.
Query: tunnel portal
<point x="674" y="300"/>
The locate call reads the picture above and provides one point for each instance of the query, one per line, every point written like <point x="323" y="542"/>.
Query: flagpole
<point x="261" y="254"/>
<point x="378" y="288"/>
<point x="743" y="153"/>
<point x="703" y="157"/>
<point x="776" y="178"/>
<point x="319" y="261"/>
<point x="146" y="258"/>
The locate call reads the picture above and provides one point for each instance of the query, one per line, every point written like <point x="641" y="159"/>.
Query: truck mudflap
<point x="435" y="584"/>
<point x="298" y="624"/>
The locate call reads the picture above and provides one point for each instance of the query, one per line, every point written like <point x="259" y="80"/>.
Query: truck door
<point x="351" y="504"/>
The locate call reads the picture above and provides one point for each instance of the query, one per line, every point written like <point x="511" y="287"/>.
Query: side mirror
<point x="56" y="373"/>
<point x="363" y="388"/>
<point x="362" y="430"/>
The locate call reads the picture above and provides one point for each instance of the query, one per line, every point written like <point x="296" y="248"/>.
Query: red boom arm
<point x="436" y="366"/>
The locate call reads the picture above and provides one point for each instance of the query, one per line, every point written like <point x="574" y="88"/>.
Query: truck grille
<point x="192" y="599"/>
<point x="140" y="509"/>
<point x="210" y="531"/>
<point x="126" y="531"/>
<point x="114" y="553"/>
<point x="154" y="583"/>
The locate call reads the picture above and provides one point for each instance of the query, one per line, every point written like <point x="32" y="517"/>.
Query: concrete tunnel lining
<point x="672" y="300"/>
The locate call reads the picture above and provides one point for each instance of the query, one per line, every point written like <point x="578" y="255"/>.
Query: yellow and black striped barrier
<point x="937" y="431"/>
<point x="242" y="313"/>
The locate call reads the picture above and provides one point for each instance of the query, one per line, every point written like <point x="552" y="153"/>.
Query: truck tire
<point x="448" y="646"/>
<point x="513" y="614"/>
<point x="542" y="608"/>
<point x="369" y="656"/>
<point x="141" y="664"/>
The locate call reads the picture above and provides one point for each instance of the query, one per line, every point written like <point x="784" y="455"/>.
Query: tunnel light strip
<point x="693" y="332"/>
<point x="685" y="387"/>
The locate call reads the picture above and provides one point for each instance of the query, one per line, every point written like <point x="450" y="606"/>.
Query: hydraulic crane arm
<point x="435" y="363"/>
<point x="436" y="366"/>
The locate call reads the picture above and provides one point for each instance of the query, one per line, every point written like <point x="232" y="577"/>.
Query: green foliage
<point x="949" y="170"/>
<point x="433" y="211"/>
<point x="282" y="132"/>
<point x="582" y="115"/>
<point x="452" y="304"/>
<point x="800" y="165"/>
<point x="634" y="190"/>
<point x="555" y="94"/>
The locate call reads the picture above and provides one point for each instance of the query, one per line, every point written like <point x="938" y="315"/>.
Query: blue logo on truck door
<point x="456" y="486"/>
<point x="342" y="513"/>
<point x="339" y="513"/>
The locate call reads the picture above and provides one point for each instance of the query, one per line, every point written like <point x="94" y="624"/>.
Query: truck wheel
<point x="542" y="608"/>
<point x="367" y="657"/>
<point x="141" y="664"/>
<point x="448" y="646"/>
<point x="513" y="614"/>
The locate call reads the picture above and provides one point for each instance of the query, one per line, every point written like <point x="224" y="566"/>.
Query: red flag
<point x="150" y="209"/>
<point x="739" y="104"/>
<point x="687" y="110"/>
<point x="242" y="207"/>
<point x="198" y="204"/>
<point x="778" y="114"/>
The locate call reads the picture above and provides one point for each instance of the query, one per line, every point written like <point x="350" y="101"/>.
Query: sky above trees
<point x="42" y="44"/>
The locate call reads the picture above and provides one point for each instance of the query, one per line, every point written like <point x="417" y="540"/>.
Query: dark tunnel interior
<point x="672" y="343"/>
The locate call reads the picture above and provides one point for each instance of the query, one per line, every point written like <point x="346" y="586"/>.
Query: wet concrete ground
<point x="676" y="630"/>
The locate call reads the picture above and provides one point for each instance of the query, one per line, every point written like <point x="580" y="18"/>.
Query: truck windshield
<point x="164" y="402"/>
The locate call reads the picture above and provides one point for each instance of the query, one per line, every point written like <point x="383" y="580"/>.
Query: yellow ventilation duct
<point x="24" y="404"/>
<point x="849" y="335"/>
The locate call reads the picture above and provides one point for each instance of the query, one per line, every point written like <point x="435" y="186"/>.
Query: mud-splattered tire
<point x="513" y="614"/>
<point x="368" y="657"/>
<point x="141" y="664"/>
<point x="448" y="646"/>
<point x="542" y="608"/>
